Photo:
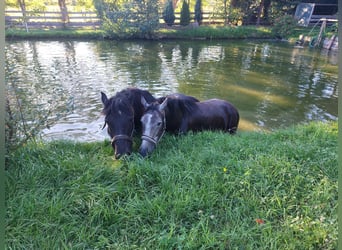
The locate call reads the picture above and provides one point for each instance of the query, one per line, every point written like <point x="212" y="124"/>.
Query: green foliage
<point x="84" y="5"/>
<point x="117" y="25"/>
<point x="23" y="123"/>
<point x="198" y="12"/>
<point x="36" y="6"/>
<point x="169" y="13"/>
<point x="235" y="16"/>
<point x="11" y="3"/>
<point x="29" y="112"/>
<point x="185" y="14"/>
<point x="33" y="5"/>
<point x="134" y="18"/>
<point x="100" y="8"/>
<point x="249" y="191"/>
<point x="284" y="26"/>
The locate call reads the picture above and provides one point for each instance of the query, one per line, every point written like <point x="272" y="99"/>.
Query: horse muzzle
<point x="147" y="146"/>
<point x="122" y="145"/>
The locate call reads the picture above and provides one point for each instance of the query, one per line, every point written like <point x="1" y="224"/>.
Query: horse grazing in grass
<point x="166" y="114"/>
<point x="213" y="114"/>
<point x="122" y="117"/>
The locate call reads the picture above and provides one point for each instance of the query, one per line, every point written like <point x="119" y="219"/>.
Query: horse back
<point x="214" y="114"/>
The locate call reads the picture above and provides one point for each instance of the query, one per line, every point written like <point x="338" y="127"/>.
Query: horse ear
<point x="144" y="102"/>
<point x="104" y="98"/>
<point x="163" y="105"/>
<point x="161" y="99"/>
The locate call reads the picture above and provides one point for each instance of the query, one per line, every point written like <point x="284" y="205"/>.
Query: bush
<point x="169" y="13"/>
<point x="185" y="14"/>
<point x="28" y="111"/>
<point x="131" y="19"/>
<point x="284" y="26"/>
<point x="24" y="122"/>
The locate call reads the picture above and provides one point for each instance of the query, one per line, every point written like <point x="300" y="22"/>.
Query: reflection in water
<point x="272" y="84"/>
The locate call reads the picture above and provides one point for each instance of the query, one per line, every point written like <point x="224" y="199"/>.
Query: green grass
<point x="202" y="32"/>
<point x="175" y="32"/>
<point x="86" y="33"/>
<point x="199" y="191"/>
<point x="218" y="32"/>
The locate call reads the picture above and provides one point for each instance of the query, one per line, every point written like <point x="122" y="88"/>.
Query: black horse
<point x="213" y="114"/>
<point x="122" y="117"/>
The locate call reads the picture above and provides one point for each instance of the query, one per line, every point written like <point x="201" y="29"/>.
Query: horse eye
<point x="159" y="123"/>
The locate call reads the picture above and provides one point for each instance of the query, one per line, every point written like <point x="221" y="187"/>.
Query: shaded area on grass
<point x="204" y="190"/>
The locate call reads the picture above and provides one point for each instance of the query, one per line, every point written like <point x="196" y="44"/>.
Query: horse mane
<point x="187" y="104"/>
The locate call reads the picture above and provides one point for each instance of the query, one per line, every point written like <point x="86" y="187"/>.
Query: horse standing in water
<point x="213" y="114"/>
<point x="122" y="117"/>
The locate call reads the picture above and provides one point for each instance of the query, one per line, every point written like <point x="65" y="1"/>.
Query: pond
<point x="272" y="84"/>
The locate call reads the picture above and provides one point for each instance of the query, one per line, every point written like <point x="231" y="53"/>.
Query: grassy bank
<point x="199" y="191"/>
<point x="202" y="32"/>
<point x="14" y="33"/>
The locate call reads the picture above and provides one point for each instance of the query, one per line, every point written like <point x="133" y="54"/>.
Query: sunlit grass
<point x="55" y="33"/>
<point x="218" y="32"/>
<point x="206" y="190"/>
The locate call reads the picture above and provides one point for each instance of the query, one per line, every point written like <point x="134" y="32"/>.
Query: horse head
<point x="119" y="119"/>
<point x="153" y="125"/>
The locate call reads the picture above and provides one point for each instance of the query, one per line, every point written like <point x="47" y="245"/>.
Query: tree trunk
<point x="260" y="9"/>
<point x="174" y="3"/>
<point x="225" y="3"/>
<point x="23" y="11"/>
<point x="64" y="11"/>
<point x="267" y="4"/>
<point x="233" y="4"/>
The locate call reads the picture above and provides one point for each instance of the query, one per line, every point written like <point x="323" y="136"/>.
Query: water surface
<point x="272" y="84"/>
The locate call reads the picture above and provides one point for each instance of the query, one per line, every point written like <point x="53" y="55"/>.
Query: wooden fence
<point x="51" y="19"/>
<point x="78" y="19"/>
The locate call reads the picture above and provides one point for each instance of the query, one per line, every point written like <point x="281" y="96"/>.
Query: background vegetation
<point x="200" y="191"/>
<point x="127" y="19"/>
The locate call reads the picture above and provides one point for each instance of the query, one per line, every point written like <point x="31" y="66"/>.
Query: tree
<point x="185" y="14"/>
<point x="23" y="11"/>
<point x="169" y="13"/>
<point x="267" y="4"/>
<point x="198" y="12"/>
<point x="260" y="9"/>
<point x="64" y="11"/>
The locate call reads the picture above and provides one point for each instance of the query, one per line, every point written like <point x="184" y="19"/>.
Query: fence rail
<point x="51" y="18"/>
<point x="15" y="18"/>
